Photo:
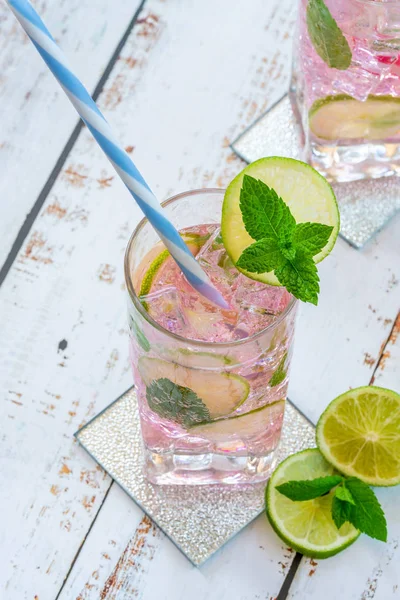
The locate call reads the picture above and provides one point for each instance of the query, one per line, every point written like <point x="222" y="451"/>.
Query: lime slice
<point x="344" y="117"/>
<point x="148" y="278"/>
<point x="222" y="393"/>
<point x="306" y="526"/>
<point x="308" y="195"/>
<point x="359" y="433"/>
<point x="200" y="360"/>
<point x="194" y="242"/>
<point x="247" y="425"/>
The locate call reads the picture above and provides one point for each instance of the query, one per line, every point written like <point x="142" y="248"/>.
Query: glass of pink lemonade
<point x="346" y="85"/>
<point x="211" y="383"/>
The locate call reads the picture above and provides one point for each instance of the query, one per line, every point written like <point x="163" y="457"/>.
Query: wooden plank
<point x="67" y="287"/>
<point x="62" y="308"/>
<point x="125" y="557"/>
<point x="338" y="343"/>
<point x="175" y="173"/>
<point x="368" y="569"/>
<point x="36" y="119"/>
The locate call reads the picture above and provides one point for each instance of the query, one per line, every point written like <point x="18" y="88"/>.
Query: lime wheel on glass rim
<point x="346" y="118"/>
<point x="308" y="195"/>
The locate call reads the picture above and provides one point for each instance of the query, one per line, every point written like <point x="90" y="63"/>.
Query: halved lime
<point x="306" y="526"/>
<point x="242" y="426"/>
<point x="308" y="195"/>
<point x="344" y="117"/>
<point x="359" y="433"/>
<point x="221" y="392"/>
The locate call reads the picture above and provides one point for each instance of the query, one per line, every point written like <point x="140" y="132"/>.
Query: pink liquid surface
<point x="175" y="305"/>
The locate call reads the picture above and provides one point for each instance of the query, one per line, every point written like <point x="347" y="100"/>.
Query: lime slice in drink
<point x="221" y="392"/>
<point x="344" y="117"/>
<point x="308" y="195"/>
<point x="306" y="526"/>
<point x="194" y="242"/>
<point x="359" y="433"/>
<point x="199" y="360"/>
<point x="242" y="426"/>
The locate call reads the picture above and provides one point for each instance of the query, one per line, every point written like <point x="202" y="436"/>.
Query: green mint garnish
<point x="326" y="37"/>
<point x="176" y="403"/>
<point x="139" y="335"/>
<point x="281" y="245"/>
<point x="280" y="373"/>
<point x="343" y="494"/>
<point x="308" y="489"/>
<point x="353" y="501"/>
<point x="340" y="511"/>
<point x="366" y="514"/>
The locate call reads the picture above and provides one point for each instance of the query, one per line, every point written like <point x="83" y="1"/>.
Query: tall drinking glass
<point x="211" y="384"/>
<point x="346" y="85"/>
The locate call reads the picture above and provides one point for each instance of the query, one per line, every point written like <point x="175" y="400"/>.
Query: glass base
<point x="352" y="162"/>
<point x="205" y="469"/>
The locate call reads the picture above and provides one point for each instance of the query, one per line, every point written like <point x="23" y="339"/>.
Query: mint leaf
<point x="139" y="335"/>
<point x="287" y="249"/>
<point x="311" y="237"/>
<point x="308" y="489"/>
<point x="281" y="245"/>
<point x="326" y="37"/>
<point x="343" y="494"/>
<point x="261" y="257"/>
<point x="340" y="510"/>
<point x="280" y="373"/>
<point x="176" y="403"/>
<point x="300" y="277"/>
<point x="367" y="514"/>
<point x="264" y="212"/>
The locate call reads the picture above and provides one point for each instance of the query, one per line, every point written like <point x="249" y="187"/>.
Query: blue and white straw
<point x="96" y="123"/>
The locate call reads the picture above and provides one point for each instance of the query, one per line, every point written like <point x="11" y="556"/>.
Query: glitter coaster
<point x="198" y="519"/>
<point x="365" y="205"/>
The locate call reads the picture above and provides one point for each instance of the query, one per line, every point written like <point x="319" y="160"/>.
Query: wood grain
<point x="36" y="119"/>
<point x="368" y="569"/>
<point x="191" y="76"/>
<point x="250" y="564"/>
<point x="62" y="307"/>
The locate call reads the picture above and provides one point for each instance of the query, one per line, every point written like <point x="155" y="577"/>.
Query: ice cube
<point x="165" y="307"/>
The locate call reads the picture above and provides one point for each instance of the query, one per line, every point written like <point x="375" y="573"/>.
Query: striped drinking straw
<point x="101" y="131"/>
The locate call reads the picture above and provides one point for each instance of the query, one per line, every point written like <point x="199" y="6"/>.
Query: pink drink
<point x="211" y="383"/>
<point x="357" y="132"/>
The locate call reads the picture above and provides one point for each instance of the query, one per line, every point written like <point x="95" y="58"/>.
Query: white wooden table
<point x="178" y="80"/>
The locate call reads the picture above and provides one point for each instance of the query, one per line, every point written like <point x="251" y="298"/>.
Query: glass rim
<point x="140" y="308"/>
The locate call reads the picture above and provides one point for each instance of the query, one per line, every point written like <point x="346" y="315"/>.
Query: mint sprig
<point x="281" y="245"/>
<point x="353" y="501"/>
<point x="327" y="37"/>
<point x="176" y="403"/>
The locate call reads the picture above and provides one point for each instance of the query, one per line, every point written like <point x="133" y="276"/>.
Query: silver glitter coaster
<point x="198" y="519"/>
<point x="365" y="205"/>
